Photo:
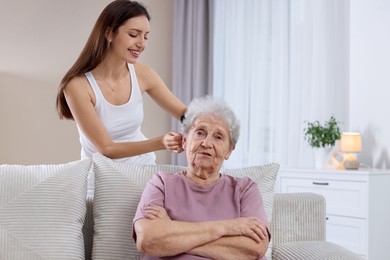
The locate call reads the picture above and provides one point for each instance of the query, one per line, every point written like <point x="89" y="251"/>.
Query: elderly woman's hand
<point x="173" y="141"/>
<point x="251" y="227"/>
<point x="155" y="212"/>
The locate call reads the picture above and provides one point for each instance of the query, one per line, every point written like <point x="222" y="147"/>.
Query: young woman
<point x="103" y="90"/>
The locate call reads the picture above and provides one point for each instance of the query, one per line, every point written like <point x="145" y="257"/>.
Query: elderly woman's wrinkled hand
<point x="251" y="227"/>
<point x="155" y="212"/>
<point x="173" y="141"/>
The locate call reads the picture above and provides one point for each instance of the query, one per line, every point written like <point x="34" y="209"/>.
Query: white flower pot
<point x="321" y="156"/>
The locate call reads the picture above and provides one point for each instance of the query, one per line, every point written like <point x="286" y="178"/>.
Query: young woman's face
<point x="130" y="39"/>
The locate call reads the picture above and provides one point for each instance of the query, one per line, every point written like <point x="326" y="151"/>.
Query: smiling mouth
<point x="135" y="53"/>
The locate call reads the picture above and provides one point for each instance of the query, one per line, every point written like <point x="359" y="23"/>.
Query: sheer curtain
<point x="280" y="63"/>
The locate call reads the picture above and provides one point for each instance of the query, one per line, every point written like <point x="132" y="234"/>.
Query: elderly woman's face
<point x="207" y="144"/>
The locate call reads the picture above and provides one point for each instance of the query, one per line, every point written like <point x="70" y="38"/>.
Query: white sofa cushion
<point x="42" y="210"/>
<point x="118" y="188"/>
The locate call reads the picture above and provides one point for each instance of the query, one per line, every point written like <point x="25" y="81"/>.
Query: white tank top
<point x="122" y="122"/>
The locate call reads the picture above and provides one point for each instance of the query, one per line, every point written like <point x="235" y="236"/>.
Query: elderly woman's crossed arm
<point x="240" y="238"/>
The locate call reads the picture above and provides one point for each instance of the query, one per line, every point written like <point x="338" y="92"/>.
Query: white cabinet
<point x="357" y="206"/>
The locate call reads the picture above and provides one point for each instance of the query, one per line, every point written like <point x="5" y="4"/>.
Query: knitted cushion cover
<point x="42" y="210"/>
<point x="312" y="250"/>
<point x="118" y="189"/>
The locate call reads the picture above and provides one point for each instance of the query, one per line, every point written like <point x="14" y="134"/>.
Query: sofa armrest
<point x="298" y="217"/>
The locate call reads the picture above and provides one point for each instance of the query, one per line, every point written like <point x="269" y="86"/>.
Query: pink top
<point x="227" y="198"/>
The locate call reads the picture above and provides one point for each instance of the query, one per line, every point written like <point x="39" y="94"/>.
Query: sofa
<point x="45" y="212"/>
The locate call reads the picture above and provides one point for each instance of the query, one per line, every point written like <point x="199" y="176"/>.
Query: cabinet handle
<point x="320" y="183"/>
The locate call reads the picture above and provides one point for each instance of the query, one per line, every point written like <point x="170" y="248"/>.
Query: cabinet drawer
<point x="342" y="198"/>
<point x="350" y="233"/>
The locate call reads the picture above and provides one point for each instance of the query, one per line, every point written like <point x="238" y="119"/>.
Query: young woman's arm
<point x="79" y="97"/>
<point x="151" y="83"/>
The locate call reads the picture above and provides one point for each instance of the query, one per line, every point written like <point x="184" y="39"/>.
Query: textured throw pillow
<point x="118" y="188"/>
<point x="42" y="210"/>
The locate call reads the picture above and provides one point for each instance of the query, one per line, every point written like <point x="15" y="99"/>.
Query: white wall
<point x="370" y="79"/>
<point x="40" y="40"/>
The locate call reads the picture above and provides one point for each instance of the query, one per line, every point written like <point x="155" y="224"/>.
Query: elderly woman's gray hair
<point x="214" y="107"/>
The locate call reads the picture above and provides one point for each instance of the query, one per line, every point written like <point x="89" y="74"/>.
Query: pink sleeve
<point x="152" y="194"/>
<point x="252" y="203"/>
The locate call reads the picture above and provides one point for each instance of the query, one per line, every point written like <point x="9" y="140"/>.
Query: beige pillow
<point x="42" y="210"/>
<point x="118" y="188"/>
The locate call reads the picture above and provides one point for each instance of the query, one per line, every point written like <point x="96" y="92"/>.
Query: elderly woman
<point x="200" y="213"/>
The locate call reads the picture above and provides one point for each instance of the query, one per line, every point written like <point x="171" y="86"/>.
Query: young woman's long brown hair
<point x="113" y="16"/>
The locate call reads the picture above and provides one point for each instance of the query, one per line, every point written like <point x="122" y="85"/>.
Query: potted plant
<point x="322" y="138"/>
<point x="322" y="135"/>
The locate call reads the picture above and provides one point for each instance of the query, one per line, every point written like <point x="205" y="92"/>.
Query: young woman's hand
<point x="173" y="141"/>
